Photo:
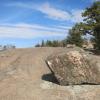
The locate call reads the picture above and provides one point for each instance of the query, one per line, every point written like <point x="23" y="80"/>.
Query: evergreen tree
<point x="75" y="36"/>
<point x="91" y="23"/>
<point x="43" y="44"/>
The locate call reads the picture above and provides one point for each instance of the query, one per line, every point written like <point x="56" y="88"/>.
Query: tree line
<point x="90" y="25"/>
<point x="49" y="43"/>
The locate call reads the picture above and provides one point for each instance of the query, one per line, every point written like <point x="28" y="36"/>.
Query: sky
<point x="25" y="23"/>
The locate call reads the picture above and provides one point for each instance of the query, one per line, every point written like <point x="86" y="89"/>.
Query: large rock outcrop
<point x="74" y="66"/>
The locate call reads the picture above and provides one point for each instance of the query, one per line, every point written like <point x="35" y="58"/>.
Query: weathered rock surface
<point x="21" y="72"/>
<point x="74" y="67"/>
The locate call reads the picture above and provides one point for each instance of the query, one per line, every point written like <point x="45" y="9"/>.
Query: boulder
<point x="74" y="67"/>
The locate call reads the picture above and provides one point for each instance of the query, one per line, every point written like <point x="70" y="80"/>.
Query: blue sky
<point x="25" y="23"/>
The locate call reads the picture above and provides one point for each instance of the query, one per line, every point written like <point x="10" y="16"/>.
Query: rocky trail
<point x="24" y="75"/>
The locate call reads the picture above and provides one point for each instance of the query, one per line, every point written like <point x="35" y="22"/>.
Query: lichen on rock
<point x="74" y="67"/>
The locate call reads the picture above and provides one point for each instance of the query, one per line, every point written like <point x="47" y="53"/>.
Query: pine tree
<point x="75" y="36"/>
<point x="91" y="23"/>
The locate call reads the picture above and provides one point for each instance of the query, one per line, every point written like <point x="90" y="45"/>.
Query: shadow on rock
<point x="50" y="77"/>
<point x="93" y="51"/>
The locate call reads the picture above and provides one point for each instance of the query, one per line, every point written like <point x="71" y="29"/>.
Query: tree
<point x="48" y="43"/>
<point x="55" y="43"/>
<point x="43" y="44"/>
<point x="97" y="36"/>
<point x="75" y="36"/>
<point x="37" y="45"/>
<point x="91" y="23"/>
